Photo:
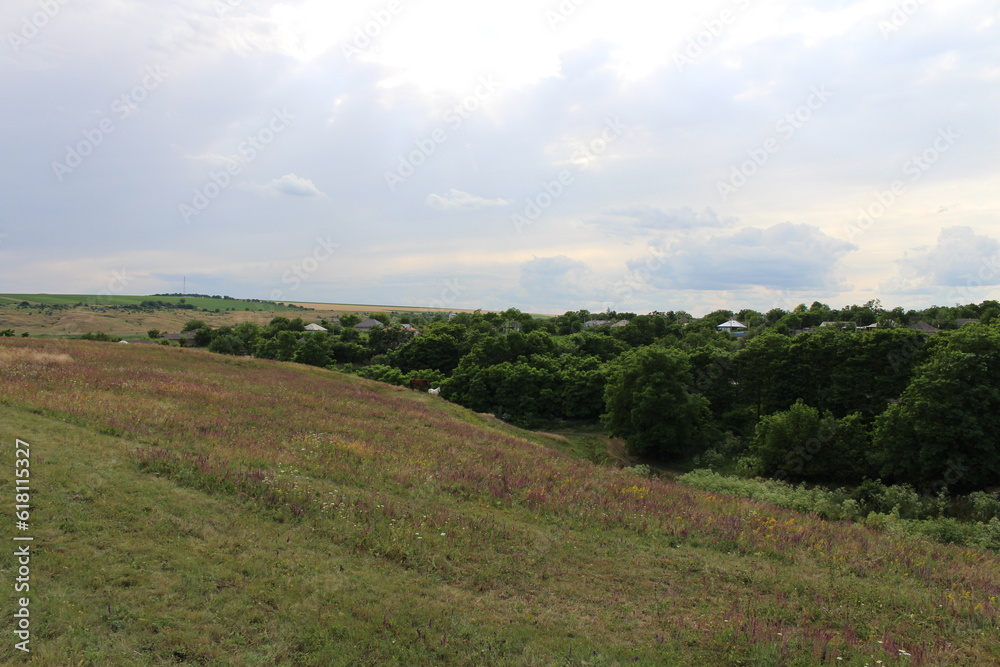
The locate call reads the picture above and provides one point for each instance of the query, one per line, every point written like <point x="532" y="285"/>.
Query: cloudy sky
<point x="544" y="155"/>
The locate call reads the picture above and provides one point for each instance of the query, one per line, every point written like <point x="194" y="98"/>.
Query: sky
<point x="549" y="156"/>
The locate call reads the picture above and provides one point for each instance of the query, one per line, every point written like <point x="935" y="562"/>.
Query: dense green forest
<point x="803" y="395"/>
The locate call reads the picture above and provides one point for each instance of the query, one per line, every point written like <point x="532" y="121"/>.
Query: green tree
<point x="802" y="444"/>
<point x="203" y="336"/>
<point x="762" y="380"/>
<point x="382" y="340"/>
<point x="280" y="347"/>
<point x="945" y="429"/>
<point x="432" y="349"/>
<point x="346" y="352"/>
<point x="315" y="351"/>
<point x="153" y="334"/>
<point x="227" y="344"/>
<point x="249" y="333"/>
<point x="648" y="402"/>
<point x="193" y="325"/>
<point x="348" y="320"/>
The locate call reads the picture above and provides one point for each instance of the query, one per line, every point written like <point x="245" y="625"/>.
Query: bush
<point x="985" y="506"/>
<point x="838" y="504"/>
<point x="382" y="373"/>
<point x="227" y="344"/>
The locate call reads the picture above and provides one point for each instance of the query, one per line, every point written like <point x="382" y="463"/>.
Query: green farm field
<point x="192" y="508"/>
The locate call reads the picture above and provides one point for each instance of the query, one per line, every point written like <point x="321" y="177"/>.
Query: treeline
<point x="830" y="405"/>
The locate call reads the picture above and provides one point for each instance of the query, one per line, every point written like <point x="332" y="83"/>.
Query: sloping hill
<point x="201" y="509"/>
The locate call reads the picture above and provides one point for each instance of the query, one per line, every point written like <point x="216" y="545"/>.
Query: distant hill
<point x="190" y="301"/>
<point x="194" y="508"/>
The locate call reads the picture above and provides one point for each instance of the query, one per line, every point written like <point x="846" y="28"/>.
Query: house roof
<point x="315" y="327"/>
<point x="731" y="324"/>
<point x="368" y="324"/>
<point x="923" y="326"/>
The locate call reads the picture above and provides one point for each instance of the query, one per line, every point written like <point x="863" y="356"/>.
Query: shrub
<point x="985" y="506"/>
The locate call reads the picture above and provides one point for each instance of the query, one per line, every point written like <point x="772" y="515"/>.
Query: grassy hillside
<point x="199" y="509"/>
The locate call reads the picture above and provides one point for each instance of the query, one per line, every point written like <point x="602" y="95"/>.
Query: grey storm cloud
<point x="783" y="256"/>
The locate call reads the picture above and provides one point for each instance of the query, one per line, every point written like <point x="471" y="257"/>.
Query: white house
<point x="732" y="327"/>
<point x="315" y="327"/>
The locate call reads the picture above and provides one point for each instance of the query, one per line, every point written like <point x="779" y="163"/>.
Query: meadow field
<point x="193" y="508"/>
<point x="98" y="315"/>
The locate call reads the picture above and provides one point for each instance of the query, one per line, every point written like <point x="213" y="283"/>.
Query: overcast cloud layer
<point x="544" y="155"/>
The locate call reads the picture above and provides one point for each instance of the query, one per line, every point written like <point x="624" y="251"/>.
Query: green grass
<point x="191" y="508"/>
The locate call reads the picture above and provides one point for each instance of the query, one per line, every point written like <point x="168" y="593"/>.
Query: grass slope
<point x="198" y="509"/>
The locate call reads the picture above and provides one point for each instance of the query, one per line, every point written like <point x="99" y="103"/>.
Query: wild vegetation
<point x="199" y="508"/>
<point x="833" y="404"/>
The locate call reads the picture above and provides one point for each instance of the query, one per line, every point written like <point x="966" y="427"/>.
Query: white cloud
<point x="462" y="201"/>
<point x="559" y="280"/>
<point x="959" y="258"/>
<point x="639" y="219"/>
<point x="783" y="256"/>
<point x="558" y="85"/>
<point x="293" y="185"/>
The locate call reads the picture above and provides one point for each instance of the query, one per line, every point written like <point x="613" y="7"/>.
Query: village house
<point x="367" y="324"/>
<point x="733" y="328"/>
